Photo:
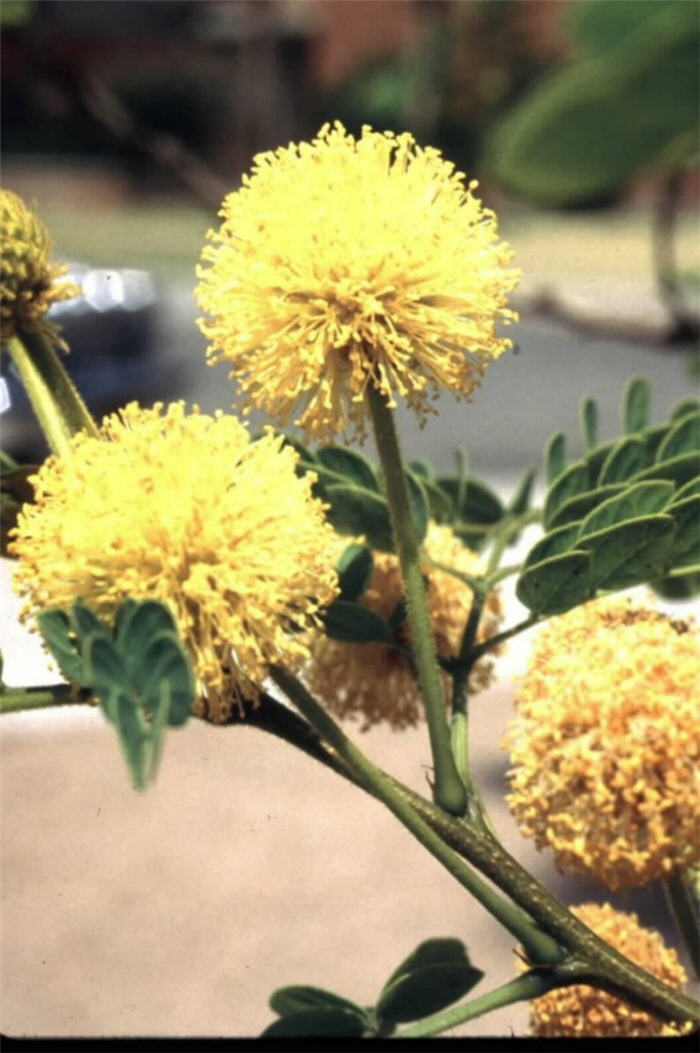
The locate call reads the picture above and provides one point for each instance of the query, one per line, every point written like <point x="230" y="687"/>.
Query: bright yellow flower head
<point x="373" y="682"/>
<point x="580" y="1010"/>
<point x="28" y="286"/>
<point x="185" y="509"/>
<point x="344" y="262"/>
<point x="605" y="745"/>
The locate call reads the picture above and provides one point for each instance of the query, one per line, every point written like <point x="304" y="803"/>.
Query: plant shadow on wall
<point x="179" y="567"/>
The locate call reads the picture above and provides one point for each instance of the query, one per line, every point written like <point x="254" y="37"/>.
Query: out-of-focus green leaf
<point x="328" y="1023"/>
<point x="572" y="481"/>
<point x="354" y="623"/>
<point x="300" y="998"/>
<point x="629" y="553"/>
<point x="636" y="405"/>
<point x="555" y="457"/>
<point x="348" y="465"/>
<point x="589" y="423"/>
<point x="354" y="569"/>
<point x="358" y="512"/>
<point x="627" y="457"/>
<point x="556" y="584"/>
<point x="434" y="976"/>
<point x="578" y="506"/>
<point x="584" y="131"/>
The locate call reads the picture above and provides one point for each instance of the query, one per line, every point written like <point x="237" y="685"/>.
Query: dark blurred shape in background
<point x="127" y="123"/>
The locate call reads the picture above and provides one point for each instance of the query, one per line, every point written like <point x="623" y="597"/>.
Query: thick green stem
<point x="17" y="699"/>
<point x="540" y="946"/>
<point x="521" y="989"/>
<point x="59" y="408"/>
<point x="449" y="791"/>
<point x="683" y="905"/>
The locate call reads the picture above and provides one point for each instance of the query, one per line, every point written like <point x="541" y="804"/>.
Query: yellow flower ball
<point x="605" y="745"/>
<point x="373" y="682"/>
<point x="28" y="283"/>
<point x="185" y="509"/>
<point x="580" y="1011"/>
<point x="345" y="262"/>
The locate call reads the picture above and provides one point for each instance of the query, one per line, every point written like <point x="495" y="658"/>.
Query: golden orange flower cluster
<point x="605" y="746"/>
<point x="582" y="1011"/>
<point x="374" y="682"/>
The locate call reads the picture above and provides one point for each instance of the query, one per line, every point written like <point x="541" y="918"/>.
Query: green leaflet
<point x="629" y="553"/>
<point x="580" y="505"/>
<point x="639" y="500"/>
<point x="628" y="456"/>
<point x="354" y="569"/>
<point x="434" y="976"/>
<point x="572" y="481"/>
<point x="360" y="512"/>
<point x="636" y="405"/>
<point x="300" y="999"/>
<point x="141" y="673"/>
<point x="555" y="457"/>
<point x="556" y="584"/>
<point x="355" y="624"/>
<point x="348" y="465"/>
<point x="589" y="423"/>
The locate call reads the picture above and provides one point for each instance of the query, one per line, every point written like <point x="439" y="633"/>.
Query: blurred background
<point x="126" y="124"/>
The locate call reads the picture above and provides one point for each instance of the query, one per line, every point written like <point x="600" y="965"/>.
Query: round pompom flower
<point x="28" y="286"/>
<point x="605" y="745"/>
<point x="346" y="262"/>
<point x="185" y="509"/>
<point x="580" y="1010"/>
<point x="373" y="682"/>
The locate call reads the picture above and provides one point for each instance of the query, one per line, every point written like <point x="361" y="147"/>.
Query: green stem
<point x="449" y="791"/>
<point x="521" y="989"/>
<point x="683" y="905"/>
<point x="539" y="945"/>
<point x="59" y="408"/>
<point x="555" y="926"/>
<point x="493" y="641"/>
<point x="17" y="699"/>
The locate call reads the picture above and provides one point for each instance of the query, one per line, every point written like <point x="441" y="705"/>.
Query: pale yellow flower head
<point x="580" y="1010"/>
<point x="373" y="682"/>
<point x="345" y="262"/>
<point x="185" y="509"/>
<point x="605" y="744"/>
<point x="29" y="285"/>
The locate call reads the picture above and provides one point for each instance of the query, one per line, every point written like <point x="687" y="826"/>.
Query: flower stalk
<point x="449" y="791"/>
<point x="59" y="408"/>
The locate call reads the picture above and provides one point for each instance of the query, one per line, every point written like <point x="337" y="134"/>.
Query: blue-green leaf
<point x="433" y="977"/>
<point x="164" y="661"/>
<point x="420" y="510"/>
<point x="520" y="502"/>
<point x="627" y="457"/>
<point x="55" y="628"/>
<point x="355" y="511"/>
<point x="329" y="1023"/>
<point x="553" y="544"/>
<point x="680" y="469"/>
<point x="636" y="405"/>
<point x="580" y="505"/>
<point x="300" y="998"/>
<point x="573" y="480"/>
<point x="684" y="407"/>
<point x="641" y="499"/>
<point x="589" y="423"/>
<point x="556" y="584"/>
<point x="349" y="465"/>
<point x="555" y="457"/>
<point x="629" y="553"/>
<point x="136" y="624"/>
<point x="686" y="543"/>
<point x="355" y="624"/>
<point x="684" y="437"/>
<point x="354" y="570"/>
